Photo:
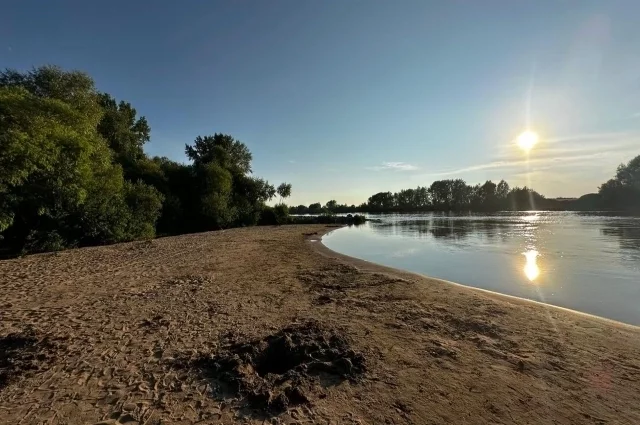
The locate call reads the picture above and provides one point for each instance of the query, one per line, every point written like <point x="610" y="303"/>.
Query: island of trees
<point x="73" y="173"/>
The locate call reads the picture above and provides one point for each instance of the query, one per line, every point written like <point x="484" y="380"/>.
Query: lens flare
<point x="531" y="269"/>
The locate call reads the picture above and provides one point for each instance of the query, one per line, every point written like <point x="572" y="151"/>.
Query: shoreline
<point x="209" y="327"/>
<point x="323" y="249"/>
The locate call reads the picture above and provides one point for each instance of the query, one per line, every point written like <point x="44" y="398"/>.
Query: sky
<point x="347" y="98"/>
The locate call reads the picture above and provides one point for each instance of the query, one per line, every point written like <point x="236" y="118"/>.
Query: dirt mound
<point x="21" y="353"/>
<point x="284" y="369"/>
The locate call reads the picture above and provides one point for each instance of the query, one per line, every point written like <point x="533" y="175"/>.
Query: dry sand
<point x="262" y="325"/>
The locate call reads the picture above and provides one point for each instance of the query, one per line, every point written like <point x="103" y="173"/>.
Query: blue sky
<point x="347" y="98"/>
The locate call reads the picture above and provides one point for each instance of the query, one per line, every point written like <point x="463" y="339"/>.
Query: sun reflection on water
<point x="531" y="269"/>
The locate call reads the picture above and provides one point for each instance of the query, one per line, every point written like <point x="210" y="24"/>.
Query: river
<point x="588" y="262"/>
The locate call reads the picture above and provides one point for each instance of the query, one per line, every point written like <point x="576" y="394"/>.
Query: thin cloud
<point x="397" y="166"/>
<point x="551" y="157"/>
<point x="589" y="137"/>
<point x="292" y="161"/>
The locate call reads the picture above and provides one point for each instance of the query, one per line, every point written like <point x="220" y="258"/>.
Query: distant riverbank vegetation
<point x="73" y="171"/>
<point x="622" y="193"/>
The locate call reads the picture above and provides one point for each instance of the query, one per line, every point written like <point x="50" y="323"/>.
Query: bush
<point x="282" y="213"/>
<point x="267" y="216"/>
<point x="271" y="216"/>
<point x="329" y="219"/>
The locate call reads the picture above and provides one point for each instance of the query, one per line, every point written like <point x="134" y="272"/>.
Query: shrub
<point x="268" y="216"/>
<point x="282" y="213"/>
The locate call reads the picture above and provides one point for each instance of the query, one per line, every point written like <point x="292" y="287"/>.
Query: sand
<point x="266" y="325"/>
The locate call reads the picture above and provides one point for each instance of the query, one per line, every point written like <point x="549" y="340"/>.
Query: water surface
<point x="586" y="262"/>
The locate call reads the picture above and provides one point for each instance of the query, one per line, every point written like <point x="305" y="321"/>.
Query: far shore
<point x="268" y="325"/>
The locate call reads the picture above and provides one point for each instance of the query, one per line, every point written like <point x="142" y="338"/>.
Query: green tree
<point x="502" y="190"/>
<point x="623" y="191"/>
<point x="223" y="149"/>
<point x="381" y="201"/>
<point x="315" y="208"/>
<point x="125" y="133"/>
<point x="215" y="196"/>
<point x="284" y="191"/>
<point x="58" y="184"/>
<point x="331" y="205"/>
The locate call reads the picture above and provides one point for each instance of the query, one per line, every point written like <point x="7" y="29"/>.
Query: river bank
<point x="267" y="324"/>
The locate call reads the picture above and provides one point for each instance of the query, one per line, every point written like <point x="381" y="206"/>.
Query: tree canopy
<point x="73" y="170"/>
<point x="623" y="190"/>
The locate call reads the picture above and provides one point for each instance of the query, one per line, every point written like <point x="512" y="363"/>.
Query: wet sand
<point x="262" y="325"/>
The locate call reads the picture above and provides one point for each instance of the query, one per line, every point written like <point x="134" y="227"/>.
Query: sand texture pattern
<point x="266" y="325"/>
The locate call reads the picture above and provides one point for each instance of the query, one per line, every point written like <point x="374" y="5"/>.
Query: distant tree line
<point x="442" y="195"/>
<point x="73" y="171"/>
<point x="622" y="193"/>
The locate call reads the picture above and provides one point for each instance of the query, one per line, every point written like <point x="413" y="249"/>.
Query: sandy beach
<point x="266" y="325"/>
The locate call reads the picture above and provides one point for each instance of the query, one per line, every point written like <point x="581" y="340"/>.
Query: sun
<point x="527" y="140"/>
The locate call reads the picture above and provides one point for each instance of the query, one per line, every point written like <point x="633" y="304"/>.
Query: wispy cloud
<point x="397" y="166"/>
<point x="292" y="161"/>
<point x="558" y="155"/>
<point x="636" y="115"/>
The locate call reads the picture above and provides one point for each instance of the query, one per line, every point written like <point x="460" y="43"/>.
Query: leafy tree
<point x="623" y="191"/>
<point x="300" y="209"/>
<point x="215" y="196"/>
<point x="315" y="208"/>
<point x="58" y="184"/>
<point x="405" y="199"/>
<point x="281" y="213"/>
<point x="381" y="201"/>
<point x="249" y="198"/>
<point x="223" y="149"/>
<point x="441" y="194"/>
<point x="331" y="205"/>
<point x="484" y="196"/>
<point x="125" y="133"/>
<point x="523" y="199"/>
<point x="284" y="191"/>
<point x="502" y="190"/>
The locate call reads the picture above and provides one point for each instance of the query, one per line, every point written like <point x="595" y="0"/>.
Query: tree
<point x="502" y="190"/>
<point x="73" y="170"/>
<point x="623" y="191"/>
<point x="484" y="196"/>
<point x="381" y="201"/>
<point x="216" y="209"/>
<point x="441" y="194"/>
<point x="331" y="205"/>
<point x="58" y="184"/>
<point x="405" y="199"/>
<point x="55" y="168"/>
<point x="125" y="133"/>
<point x="284" y="191"/>
<point x="524" y="199"/>
<point x="315" y="208"/>
<point x="223" y="149"/>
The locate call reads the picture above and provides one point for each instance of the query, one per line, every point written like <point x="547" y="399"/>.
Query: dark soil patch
<point x="22" y="353"/>
<point x="285" y="369"/>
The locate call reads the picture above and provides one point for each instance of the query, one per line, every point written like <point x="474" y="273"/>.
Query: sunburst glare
<point x="527" y="140"/>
